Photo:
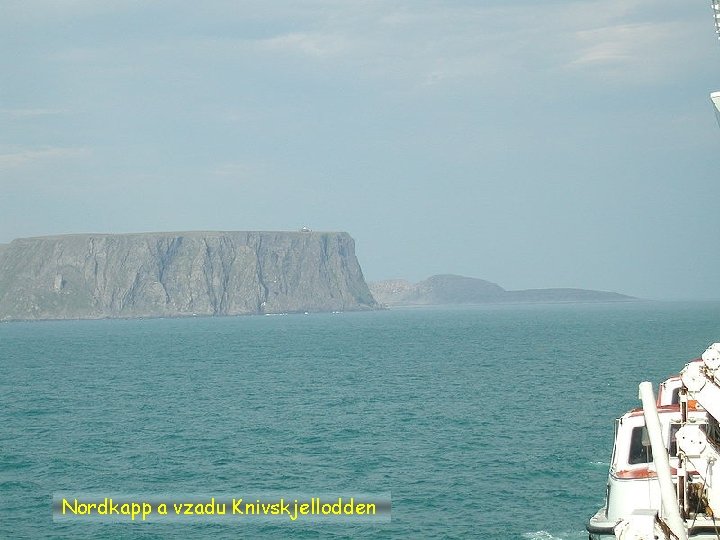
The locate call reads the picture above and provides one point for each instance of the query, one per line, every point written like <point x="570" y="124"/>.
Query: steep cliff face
<point x="180" y="274"/>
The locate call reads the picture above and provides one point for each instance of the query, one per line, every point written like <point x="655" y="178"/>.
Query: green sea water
<point x="481" y="422"/>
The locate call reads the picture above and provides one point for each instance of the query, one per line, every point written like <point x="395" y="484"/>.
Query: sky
<point x="559" y="143"/>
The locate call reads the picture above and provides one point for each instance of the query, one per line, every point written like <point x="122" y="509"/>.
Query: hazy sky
<point x="532" y="143"/>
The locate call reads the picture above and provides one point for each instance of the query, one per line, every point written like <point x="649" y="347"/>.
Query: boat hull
<point x="600" y="528"/>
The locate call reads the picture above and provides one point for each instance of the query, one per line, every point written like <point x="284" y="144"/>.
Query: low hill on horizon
<point x="453" y="289"/>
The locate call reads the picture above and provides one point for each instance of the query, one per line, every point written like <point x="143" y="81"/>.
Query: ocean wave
<point x="540" y="535"/>
<point x="545" y="535"/>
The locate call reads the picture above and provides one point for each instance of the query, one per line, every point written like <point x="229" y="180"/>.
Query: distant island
<point x="450" y="289"/>
<point x="180" y="274"/>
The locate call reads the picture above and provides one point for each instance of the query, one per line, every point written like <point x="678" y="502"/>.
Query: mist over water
<point x="487" y="422"/>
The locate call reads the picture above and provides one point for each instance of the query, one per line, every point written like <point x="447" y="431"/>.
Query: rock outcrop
<point x="90" y="276"/>
<point x="451" y="289"/>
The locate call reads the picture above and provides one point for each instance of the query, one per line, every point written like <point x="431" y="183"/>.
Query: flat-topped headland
<point x="176" y="274"/>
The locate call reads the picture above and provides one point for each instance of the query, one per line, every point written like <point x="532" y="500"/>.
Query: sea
<point x="490" y="421"/>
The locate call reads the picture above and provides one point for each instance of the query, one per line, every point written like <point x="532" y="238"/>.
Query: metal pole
<point x="682" y="465"/>
<point x="671" y="512"/>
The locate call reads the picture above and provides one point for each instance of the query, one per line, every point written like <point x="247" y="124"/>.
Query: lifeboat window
<point x="640" y="451"/>
<point x="675" y="396"/>
<point x="672" y="452"/>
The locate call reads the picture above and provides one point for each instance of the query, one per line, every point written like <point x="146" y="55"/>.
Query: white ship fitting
<point x="715" y="96"/>
<point x="664" y="478"/>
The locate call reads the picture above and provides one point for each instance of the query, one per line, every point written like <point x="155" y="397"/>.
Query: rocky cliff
<point x="451" y="289"/>
<point x="180" y="274"/>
